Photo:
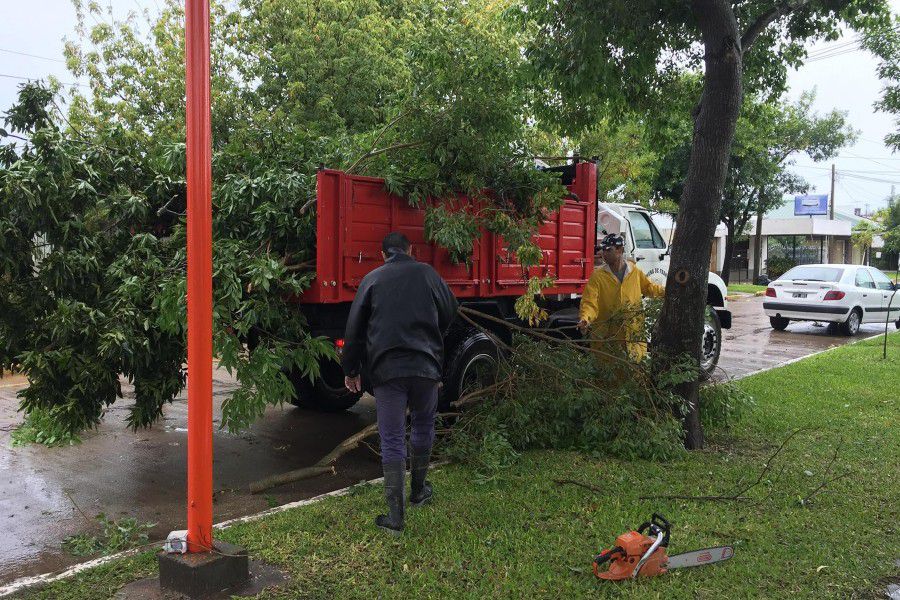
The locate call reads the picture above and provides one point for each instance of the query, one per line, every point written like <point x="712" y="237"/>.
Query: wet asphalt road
<point x="751" y="344"/>
<point x="44" y="491"/>
<point x="47" y="494"/>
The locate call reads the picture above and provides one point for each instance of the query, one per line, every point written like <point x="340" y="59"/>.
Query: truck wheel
<point x="472" y="363"/>
<point x="779" y="323"/>
<point x="851" y="325"/>
<point x="327" y="393"/>
<point x="711" y="344"/>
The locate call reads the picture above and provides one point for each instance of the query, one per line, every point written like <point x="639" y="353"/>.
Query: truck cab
<point x="646" y="246"/>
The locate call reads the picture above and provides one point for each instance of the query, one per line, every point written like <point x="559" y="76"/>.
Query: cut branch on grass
<point x="740" y="493"/>
<point x="826" y="477"/>
<point x="825" y="483"/>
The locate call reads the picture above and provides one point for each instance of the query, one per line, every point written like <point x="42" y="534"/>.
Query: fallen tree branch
<point x="473" y="396"/>
<point x="826" y="480"/>
<point x="822" y="486"/>
<point x="325" y="465"/>
<point x="699" y="498"/>
<point x="739" y="495"/>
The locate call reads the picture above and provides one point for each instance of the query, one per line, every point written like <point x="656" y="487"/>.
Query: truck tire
<point x="711" y="344"/>
<point x="327" y="393"/>
<point x="779" y="323"/>
<point x="472" y="362"/>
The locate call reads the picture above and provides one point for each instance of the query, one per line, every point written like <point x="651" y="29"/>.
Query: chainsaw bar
<point x="698" y="558"/>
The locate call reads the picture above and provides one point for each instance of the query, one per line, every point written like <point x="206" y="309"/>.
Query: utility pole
<point x="831" y="197"/>
<point x="209" y="565"/>
<point x="199" y="278"/>
<point x="830" y="211"/>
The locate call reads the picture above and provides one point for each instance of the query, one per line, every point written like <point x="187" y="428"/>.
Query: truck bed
<point x="354" y="213"/>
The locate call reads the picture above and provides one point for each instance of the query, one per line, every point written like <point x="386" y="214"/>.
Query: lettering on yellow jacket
<point x="613" y="310"/>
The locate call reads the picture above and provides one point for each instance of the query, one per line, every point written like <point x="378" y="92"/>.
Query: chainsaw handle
<point x="657" y="524"/>
<point x="605" y="556"/>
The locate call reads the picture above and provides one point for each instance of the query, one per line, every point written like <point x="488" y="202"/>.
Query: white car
<point x="846" y="295"/>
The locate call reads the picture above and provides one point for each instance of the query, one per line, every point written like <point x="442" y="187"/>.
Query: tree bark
<point x="680" y="326"/>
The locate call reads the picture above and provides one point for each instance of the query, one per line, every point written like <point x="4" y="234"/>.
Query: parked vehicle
<point x="355" y="212"/>
<point x="845" y="295"/>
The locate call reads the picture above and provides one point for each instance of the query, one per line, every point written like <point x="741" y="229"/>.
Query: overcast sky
<point x="843" y="76"/>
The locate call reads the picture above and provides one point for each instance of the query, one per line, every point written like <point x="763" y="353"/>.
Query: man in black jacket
<point x="397" y="322"/>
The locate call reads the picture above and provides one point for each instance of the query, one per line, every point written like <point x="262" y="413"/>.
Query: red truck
<point x="354" y="213"/>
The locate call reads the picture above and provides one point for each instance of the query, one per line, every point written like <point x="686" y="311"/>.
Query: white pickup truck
<point x="648" y="248"/>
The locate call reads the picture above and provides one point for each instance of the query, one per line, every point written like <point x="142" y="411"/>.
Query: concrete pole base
<point x="202" y="574"/>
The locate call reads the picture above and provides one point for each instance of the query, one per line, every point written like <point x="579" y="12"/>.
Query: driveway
<point x="44" y="491"/>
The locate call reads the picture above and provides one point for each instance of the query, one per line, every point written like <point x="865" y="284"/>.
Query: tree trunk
<point x="680" y="326"/>
<point x="757" y="251"/>
<point x="729" y="253"/>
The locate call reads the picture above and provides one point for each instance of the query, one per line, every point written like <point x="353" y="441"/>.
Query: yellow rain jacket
<point x="614" y="310"/>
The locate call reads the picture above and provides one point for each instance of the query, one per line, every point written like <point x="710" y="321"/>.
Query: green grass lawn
<point x="523" y="536"/>
<point x="747" y="288"/>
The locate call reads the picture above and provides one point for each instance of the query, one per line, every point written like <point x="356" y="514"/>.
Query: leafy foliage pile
<point x="42" y="427"/>
<point x="92" y="256"/>
<point x="559" y="396"/>
<point x="114" y="536"/>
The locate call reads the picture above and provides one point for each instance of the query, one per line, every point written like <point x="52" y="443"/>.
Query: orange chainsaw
<point x="638" y="554"/>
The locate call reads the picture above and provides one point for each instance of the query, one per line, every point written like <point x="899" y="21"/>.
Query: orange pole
<point x="199" y="276"/>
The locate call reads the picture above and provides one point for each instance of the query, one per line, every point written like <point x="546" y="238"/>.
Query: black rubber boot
<point x="394" y="484"/>
<point x="420" y="492"/>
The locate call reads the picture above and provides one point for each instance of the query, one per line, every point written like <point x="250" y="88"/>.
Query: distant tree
<point x="769" y="135"/>
<point x="889" y="219"/>
<point x="862" y="236"/>
<point x="883" y="40"/>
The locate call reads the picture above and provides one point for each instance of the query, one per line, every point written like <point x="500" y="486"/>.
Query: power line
<point x="59" y="60"/>
<point x="871" y="179"/>
<point x="852" y="171"/>
<point x="872" y="160"/>
<point x="871" y="157"/>
<point x="847" y="47"/>
<point x="19" y="77"/>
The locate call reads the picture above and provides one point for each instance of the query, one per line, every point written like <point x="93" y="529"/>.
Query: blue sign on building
<point x="815" y="204"/>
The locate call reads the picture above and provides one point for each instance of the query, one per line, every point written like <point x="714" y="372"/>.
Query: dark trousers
<point x="391" y="400"/>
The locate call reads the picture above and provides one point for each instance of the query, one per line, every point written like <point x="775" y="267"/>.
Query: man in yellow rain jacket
<point x="610" y="312"/>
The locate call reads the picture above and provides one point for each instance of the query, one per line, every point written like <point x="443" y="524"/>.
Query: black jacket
<point x="397" y="322"/>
